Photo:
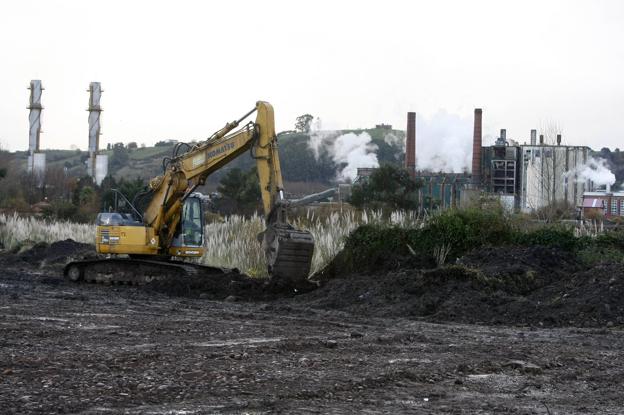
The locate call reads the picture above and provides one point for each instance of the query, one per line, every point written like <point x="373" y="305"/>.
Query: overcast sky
<point x="181" y="69"/>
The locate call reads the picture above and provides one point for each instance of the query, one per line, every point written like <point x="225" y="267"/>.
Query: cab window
<point x="192" y="222"/>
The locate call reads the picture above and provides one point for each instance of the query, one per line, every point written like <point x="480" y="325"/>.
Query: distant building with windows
<point x="383" y="126"/>
<point x="608" y="204"/>
<point x="528" y="177"/>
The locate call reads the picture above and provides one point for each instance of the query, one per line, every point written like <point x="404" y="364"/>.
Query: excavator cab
<point x="189" y="238"/>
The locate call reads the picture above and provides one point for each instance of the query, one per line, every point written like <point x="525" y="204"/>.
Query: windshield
<point x="192" y="222"/>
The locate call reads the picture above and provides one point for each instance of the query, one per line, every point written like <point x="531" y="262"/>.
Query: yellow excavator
<point x="167" y="227"/>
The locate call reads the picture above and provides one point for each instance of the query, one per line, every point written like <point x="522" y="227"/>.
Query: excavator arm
<point x="289" y="251"/>
<point x="162" y="230"/>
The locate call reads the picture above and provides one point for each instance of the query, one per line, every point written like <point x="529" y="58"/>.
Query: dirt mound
<point x="509" y="285"/>
<point x="591" y="297"/>
<point x="230" y="286"/>
<point x="55" y="254"/>
<point x="495" y="259"/>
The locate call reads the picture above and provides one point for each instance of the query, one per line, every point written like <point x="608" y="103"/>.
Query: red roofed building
<point x="608" y="204"/>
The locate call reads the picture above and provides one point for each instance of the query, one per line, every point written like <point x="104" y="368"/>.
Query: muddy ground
<point x="390" y="342"/>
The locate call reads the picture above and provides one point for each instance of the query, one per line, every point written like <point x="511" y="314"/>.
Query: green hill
<point x="297" y="159"/>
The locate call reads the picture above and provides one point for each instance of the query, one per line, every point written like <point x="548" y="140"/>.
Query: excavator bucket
<point x="288" y="250"/>
<point x="289" y="253"/>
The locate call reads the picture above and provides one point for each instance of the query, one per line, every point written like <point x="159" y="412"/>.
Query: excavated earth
<point x="502" y="330"/>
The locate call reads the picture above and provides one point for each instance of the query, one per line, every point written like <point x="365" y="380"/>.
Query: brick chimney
<point x="410" y="144"/>
<point x="477" y="142"/>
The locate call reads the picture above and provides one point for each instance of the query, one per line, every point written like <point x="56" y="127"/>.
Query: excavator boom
<point x="171" y="223"/>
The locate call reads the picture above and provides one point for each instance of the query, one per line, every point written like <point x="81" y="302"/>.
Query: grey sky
<point x="182" y="69"/>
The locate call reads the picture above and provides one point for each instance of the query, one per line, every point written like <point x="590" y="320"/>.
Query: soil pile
<point x="503" y="285"/>
<point x="230" y="285"/>
<point x="55" y="254"/>
<point x="506" y="285"/>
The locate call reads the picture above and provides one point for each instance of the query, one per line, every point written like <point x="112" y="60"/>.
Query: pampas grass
<point x="232" y="243"/>
<point x="16" y="231"/>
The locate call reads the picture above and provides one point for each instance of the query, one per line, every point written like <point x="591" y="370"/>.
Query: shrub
<point x="463" y="230"/>
<point x="451" y="234"/>
<point x="611" y="239"/>
<point x="556" y="236"/>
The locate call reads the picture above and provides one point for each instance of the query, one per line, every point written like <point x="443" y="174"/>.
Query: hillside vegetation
<point x="298" y="161"/>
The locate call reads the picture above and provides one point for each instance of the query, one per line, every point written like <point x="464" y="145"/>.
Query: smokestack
<point x="558" y="139"/>
<point x="34" y="116"/>
<point x="533" y="137"/>
<point x="410" y="144"/>
<point x="503" y="135"/>
<point x="95" y="92"/>
<point x="36" y="160"/>
<point x="541" y="139"/>
<point x="476" y="147"/>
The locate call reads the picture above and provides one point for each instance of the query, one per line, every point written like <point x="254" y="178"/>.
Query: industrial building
<point x="438" y="189"/>
<point x="525" y="177"/>
<point x="529" y="177"/>
<point x="605" y="204"/>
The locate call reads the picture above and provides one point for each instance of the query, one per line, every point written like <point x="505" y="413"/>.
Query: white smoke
<point x="349" y="151"/>
<point x="395" y="140"/>
<point x="318" y="137"/>
<point x="356" y="150"/>
<point x="597" y="171"/>
<point x="444" y="143"/>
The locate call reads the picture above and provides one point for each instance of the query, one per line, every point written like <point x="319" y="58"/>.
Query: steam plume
<point x="443" y="143"/>
<point x="597" y="171"/>
<point x="356" y="150"/>
<point x="349" y="151"/>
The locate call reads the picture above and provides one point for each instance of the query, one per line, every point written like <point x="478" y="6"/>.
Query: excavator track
<point x="130" y="271"/>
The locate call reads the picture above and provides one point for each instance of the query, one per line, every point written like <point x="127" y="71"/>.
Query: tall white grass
<point x="16" y="231"/>
<point x="232" y="243"/>
<point x="589" y="228"/>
